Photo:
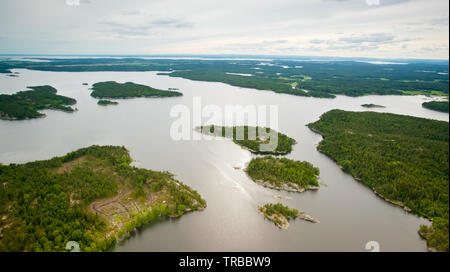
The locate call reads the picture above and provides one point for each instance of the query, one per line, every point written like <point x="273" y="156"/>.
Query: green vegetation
<point x="112" y="89"/>
<point x="372" y="106"/>
<point x="4" y="68"/>
<point x="92" y="196"/>
<point x="107" y="102"/>
<point x="252" y="141"/>
<point x="404" y="159"/>
<point x="296" y="77"/>
<point x="257" y="82"/>
<point x="278" y="214"/>
<point x="283" y="173"/>
<point x="436" y="105"/>
<point x="26" y="104"/>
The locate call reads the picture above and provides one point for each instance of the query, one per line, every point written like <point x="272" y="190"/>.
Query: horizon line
<point x="222" y="55"/>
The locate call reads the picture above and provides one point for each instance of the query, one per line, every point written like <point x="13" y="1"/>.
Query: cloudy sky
<point x="346" y="28"/>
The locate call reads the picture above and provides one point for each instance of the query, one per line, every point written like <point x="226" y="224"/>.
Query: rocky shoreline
<point x="6" y="117"/>
<point x="307" y="217"/>
<point x="394" y="202"/>
<point x="286" y="187"/>
<point x="283" y="223"/>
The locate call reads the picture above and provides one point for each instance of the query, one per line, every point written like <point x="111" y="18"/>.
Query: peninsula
<point x="27" y="104"/>
<point x="404" y="159"/>
<point x="92" y="196"/>
<point x="441" y="106"/>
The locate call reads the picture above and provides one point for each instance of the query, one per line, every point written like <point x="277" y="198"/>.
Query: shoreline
<point x="285" y="187"/>
<point x="282" y="222"/>
<point x="390" y="201"/>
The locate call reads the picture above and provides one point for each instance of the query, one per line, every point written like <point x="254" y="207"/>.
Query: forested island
<point x="27" y="104"/>
<point x="112" y="89"/>
<point x="250" y="138"/>
<point x="290" y="76"/>
<point x="280" y="214"/>
<point x="283" y="174"/>
<point x="107" y="102"/>
<point x="372" y="106"/>
<point x="404" y="159"/>
<point x="436" y="105"/>
<point x="92" y="196"/>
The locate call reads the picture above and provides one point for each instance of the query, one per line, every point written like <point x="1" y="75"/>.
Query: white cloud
<point x="392" y="29"/>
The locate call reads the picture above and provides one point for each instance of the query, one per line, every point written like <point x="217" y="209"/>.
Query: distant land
<point x="301" y="76"/>
<point x="231" y="56"/>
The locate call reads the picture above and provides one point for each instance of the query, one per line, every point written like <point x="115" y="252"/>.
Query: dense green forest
<point x="405" y="159"/>
<point x="249" y="138"/>
<point x="4" y="68"/>
<point x="26" y="104"/>
<point x="283" y="173"/>
<point x="92" y="196"/>
<point x="296" y="77"/>
<point x="112" y="89"/>
<point x="436" y="105"/>
<point x="107" y="102"/>
<point x="256" y="82"/>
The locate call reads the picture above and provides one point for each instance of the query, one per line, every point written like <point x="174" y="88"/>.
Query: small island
<point x="92" y="196"/>
<point x="280" y="214"/>
<point x="372" y="106"/>
<point x="114" y="90"/>
<point x="442" y="106"/>
<point x="284" y="145"/>
<point x="283" y="174"/>
<point x="107" y="102"/>
<point x="26" y="104"/>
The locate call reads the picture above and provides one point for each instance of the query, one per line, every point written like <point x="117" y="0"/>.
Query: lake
<point x="350" y="214"/>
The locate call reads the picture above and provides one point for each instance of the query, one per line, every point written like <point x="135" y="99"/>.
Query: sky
<point x="340" y="28"/>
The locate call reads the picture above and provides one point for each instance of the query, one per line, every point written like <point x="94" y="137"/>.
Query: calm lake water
<point x="350" y="214"/>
